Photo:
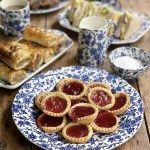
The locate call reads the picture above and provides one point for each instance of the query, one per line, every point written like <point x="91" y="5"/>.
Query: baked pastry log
<point x="36" y="56"/>
<point x="15" y="55"/>
<point x="39" y="53"/>
<point x="36" y="60"/>
<point x="42" y="37"/>
<point x="10" y="75"/>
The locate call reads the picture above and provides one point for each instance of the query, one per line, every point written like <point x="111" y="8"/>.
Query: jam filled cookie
<point x="73" y="88"/>
<point x="101" y="98"/>
<point x="77" y="133"/>
<point x="51" y="124"/>
<point x="106" y="122"/>
<point x="122" y="103"/>
<point x="55" y="104"/>
<point x="83" y="113"/>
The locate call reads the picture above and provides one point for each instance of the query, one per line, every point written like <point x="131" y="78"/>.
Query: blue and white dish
<point x="56" y="7"/>
<point x="144" y="26"/>
<point x="14" y="21"/>
<point x="63" y="49"/>
<point x="24" y="112"/>
<point x="132" y="52"/>
<point x="93" y="41"/>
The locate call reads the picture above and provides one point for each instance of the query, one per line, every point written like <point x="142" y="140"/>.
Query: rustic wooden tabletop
<point x="12" y="139"/>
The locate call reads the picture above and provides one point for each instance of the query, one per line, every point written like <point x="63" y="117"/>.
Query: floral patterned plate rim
<point x="56" y="7"/>
<point x="63" y="49"/>
<point x="24" y="112"/>
<point x="144" y="27"/>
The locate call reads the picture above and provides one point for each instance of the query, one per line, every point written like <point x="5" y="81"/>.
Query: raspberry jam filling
<point x="81" y="111"/>
<point x="72" y="88"/>
<point x="74" y="102"/>
<point x="48" y="121"/>
<point x="119" y="102"/>
<point x="105" y="119"/>
<point x="77" y="131"/>
<point x="55" y="104"/>
<point x="100" y="98"/>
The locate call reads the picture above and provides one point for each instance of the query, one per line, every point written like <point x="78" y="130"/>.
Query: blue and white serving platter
<point x="25" y="113"/>
<point x="144" y="25"/>
<point x="56" y="7"/>
<point x="67" y="44"/>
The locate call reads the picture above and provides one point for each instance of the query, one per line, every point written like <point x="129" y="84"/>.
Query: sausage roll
<point x="15" y="55"/>
<point x="10" y="75"/>
<point x="41" y="37"/>
<point x="36" y="56"/>
<point x="44" y="53"/>
<point x="48" y="53"/>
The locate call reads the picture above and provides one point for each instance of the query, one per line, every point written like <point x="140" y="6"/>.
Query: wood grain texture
<point x="11" y="138"/>
<point x="143" y="81"/>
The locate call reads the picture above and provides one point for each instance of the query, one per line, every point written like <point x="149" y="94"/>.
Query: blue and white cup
<point x="93" y="41"/>
<point x="14" y="16"/>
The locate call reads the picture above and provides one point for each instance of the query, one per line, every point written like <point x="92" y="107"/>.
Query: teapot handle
<point x="112" y="26"/>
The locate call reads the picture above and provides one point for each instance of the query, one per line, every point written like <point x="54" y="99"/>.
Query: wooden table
<point x="12" y="139"/>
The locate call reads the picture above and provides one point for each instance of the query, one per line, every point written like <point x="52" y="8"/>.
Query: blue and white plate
<point x="25" y="113"/>
<point x="56" y="7"/>
<point x="144" y="26"/>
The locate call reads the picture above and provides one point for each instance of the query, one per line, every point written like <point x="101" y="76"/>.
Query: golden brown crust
<point x="81" y="100"/>
<point x="106" y="107"/>
<point x="44" y="52"/>
<point x="15" y="55"/>
<point x="36" y="60"/>
<point x="10" y="75"/>
<point x="36" y="56"/>
<point x="86" y="119"/>
<point x="125" y="107"/>
<point x="40" y="36"/>
<point x="39" y="98"/>
<point x="103" y="129"/>
<point x="53" y="94"/>
<point x="77" y="140"/>
<point x="98" y="84"/>
<point x="54" y="129"/>
<point x="61" y="83"/>
<point x="42" y="4"/>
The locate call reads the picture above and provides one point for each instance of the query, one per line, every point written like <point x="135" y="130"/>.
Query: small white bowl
<point x="132" y="52"/>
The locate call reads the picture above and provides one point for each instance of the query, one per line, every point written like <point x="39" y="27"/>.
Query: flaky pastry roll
<point x="15" y="55"/>
<point x="41" y="37"/>
<point x="10" y="75"/>
<point x="36" y="56"/>
<point x="39" y="53"/>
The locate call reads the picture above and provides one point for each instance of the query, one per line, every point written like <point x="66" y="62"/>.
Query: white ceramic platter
<point x="64" y="48"/>
<point x="144" y="26"/>
<point x="56" y="7"/>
